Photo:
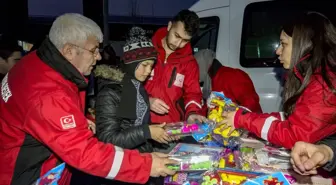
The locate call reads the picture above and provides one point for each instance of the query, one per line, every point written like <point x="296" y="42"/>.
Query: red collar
<point x="296" y="71"/>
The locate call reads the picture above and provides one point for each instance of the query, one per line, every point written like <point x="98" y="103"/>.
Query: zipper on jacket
<point x="172" y="77"/>
<point x="179" y="106"/>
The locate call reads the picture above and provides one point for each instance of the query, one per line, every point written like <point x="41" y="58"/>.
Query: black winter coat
<point x="331" y="165"/>
<point x="111" y="128"/>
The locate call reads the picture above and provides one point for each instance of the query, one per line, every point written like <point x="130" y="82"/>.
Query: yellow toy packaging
<point x="217" y="104"/>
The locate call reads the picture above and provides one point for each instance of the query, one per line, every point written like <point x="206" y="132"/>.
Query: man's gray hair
<point x="73" y="28"/>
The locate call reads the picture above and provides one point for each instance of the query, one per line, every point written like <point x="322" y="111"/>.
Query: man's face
<point x="83" y="56"/>
<point x="177" y="36"/>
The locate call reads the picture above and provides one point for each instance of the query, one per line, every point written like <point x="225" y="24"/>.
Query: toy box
<point x="272" y="179"/>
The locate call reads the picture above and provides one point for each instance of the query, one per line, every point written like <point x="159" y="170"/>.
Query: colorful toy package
<point x="185" y="129"/>
<point x="207" y="129"/>
<point x="272" y="179"/>
<point x="211" y="177"/>
<point x="194" y="162"/>
<point x="235" y="177"/>
<point x="190" y="149"/>
<point x="217" y="104"/>
<point x="195" y="157"/>
<point x="184" y="178"/>
<point x="229" y="159"/>
<point x="266" y="159"/>
<point x="52" y="176"/>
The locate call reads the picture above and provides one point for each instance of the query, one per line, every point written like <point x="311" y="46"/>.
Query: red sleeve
<point x="58" y="122"/>
<point x="312" y="120"/>
<point x="192" y="90"/>
<point x="245" y="93"/>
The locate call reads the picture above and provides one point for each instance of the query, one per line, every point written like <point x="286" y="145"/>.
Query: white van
<point x="245" y="35"/>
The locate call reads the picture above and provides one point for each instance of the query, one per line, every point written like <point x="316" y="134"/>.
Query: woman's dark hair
<point x="313" y="52"/>
<point x="8" y="47"/>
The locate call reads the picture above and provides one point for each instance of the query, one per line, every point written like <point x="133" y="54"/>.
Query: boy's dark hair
<point x="189" y="19"/>
<point x="8" y="46"/>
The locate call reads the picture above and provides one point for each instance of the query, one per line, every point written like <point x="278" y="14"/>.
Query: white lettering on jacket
<point x="5" y="91"/>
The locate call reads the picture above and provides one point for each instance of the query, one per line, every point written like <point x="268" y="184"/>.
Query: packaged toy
<point x="186" y="129"/>
<point x="51" y="177"/>
<point x="194" y="162"/>
<point x="272" y="179"/>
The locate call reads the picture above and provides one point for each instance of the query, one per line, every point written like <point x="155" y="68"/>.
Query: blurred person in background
<point x="234" y="83"/>
<point x="10" y="54"/>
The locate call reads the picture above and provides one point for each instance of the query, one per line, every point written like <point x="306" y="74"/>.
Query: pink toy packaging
<point x="188" y="129"/>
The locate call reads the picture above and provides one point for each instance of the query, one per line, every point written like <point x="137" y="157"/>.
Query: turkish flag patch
<point x="68" y="122"/>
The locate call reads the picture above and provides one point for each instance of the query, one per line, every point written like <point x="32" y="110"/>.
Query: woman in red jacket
<point x="308" y="51"/>
<point x="216" y="77"/>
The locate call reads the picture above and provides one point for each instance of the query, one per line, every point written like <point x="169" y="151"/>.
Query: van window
<point x="206" y="38"/>
<point x="262" y="26"/>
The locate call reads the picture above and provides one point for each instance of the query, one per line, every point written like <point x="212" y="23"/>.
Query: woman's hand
<point x="228" y="121"/>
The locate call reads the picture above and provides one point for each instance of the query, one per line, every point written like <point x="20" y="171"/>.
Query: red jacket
<point x="175" y="80"/>
<point x="313" y="118"/>
<point x="42" y="124"/>
<point x="240" y="90"/>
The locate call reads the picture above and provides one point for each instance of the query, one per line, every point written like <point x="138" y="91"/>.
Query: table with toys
<point x="223" y="159"/>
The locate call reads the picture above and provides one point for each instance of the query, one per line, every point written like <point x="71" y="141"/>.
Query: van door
<point x="248" y="35"/>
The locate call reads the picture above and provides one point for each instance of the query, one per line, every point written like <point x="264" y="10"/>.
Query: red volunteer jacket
<point x="42" y="124"/>
<point x="174" y="80"/>
<point x="240" y="90"/>
<point x="313" y="118"/>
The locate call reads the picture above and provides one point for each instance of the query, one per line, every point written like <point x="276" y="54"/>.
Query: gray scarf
<point x="204" y="59"/>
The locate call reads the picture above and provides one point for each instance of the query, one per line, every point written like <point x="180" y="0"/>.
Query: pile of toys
<point x="222" y="158"/>
<point x="204" y="165"/>
<point x="226" y="177"/>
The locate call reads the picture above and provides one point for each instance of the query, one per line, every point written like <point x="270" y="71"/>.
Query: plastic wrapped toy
<point x="186" y="129"/>
<point x="211" y="178"/>
<point x="205" y="130"/>
<point x="192" y="149"/>
<point x="272" y="179"/>
<point x="193" y="162"/>
<point x="229" y="158"/>
<point x="218" y="99"/>
<point x="51" y="177"/>
<point x="263" y="161"/>
<point x="181" y="128"/>
<point x="184" y="178"/>
<point x="235" y="176"/>
<point x="222" y="135"/>
<point x="217" y="104"/>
